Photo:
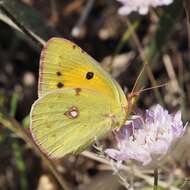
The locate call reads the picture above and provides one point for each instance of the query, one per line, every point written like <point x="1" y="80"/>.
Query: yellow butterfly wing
<point x="66" y="121"/>
<point x="64" y="64"/>
<point x="78" y="101"/>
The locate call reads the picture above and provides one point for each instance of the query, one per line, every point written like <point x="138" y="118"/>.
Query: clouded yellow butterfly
<point x="78" y="101"/>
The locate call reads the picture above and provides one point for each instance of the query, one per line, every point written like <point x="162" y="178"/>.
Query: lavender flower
<point x="149" y="138"/>
<point x="141" y="6"/>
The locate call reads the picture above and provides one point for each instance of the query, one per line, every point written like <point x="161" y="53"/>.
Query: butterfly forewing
<point x="64" y="64"/>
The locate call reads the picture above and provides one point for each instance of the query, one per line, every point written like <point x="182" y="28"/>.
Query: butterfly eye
<point x="89" y="75"/>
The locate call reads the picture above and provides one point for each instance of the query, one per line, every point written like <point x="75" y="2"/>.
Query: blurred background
<point x="121" y="44"/>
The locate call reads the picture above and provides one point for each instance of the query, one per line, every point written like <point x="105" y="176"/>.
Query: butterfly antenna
<point x="150" y="88"/>
<point x="133" y="96"/>
<point x="136" y="82"/>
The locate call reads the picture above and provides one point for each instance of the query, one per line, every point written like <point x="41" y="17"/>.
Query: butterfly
<point x="77" y="103"/>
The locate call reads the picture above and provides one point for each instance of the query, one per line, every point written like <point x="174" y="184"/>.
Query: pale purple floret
<point x="147" y="138"/>
<point x="141" y="6"/>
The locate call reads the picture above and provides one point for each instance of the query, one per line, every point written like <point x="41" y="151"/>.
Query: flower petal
<point x="143" y="139"/>
<point x="141" y="6"/>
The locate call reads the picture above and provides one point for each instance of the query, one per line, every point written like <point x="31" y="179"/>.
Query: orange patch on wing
<point x="78" y="90"/>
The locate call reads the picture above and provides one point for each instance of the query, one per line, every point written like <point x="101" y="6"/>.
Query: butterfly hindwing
<point x="66" y="121"/>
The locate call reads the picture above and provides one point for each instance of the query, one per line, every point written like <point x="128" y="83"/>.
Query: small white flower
<point x="141" y="6"/>
<point x="145" y="139"/>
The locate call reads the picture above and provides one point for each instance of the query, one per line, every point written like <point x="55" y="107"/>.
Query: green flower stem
<point x="155" y="179"/>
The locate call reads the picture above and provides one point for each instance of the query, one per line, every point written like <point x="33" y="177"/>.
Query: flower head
<point x="145" y="139"/>
<point x="141" y="6"/>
